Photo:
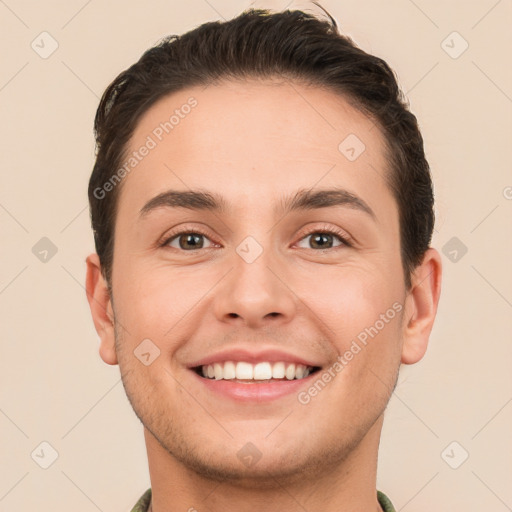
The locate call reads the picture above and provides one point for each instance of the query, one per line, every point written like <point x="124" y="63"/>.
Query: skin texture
<point x="255" y="143"/>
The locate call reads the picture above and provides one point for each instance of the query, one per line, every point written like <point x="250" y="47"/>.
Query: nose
<point x="257" y="293"/>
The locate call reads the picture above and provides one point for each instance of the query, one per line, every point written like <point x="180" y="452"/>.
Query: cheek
<point x="156" y="301"/>
<point x="363" y="309"/>
<point x="350" y="299"/>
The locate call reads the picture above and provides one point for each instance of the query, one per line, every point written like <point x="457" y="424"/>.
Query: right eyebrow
<point x="191" y="199"/>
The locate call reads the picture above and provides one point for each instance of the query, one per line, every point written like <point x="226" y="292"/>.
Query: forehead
<point x="249" y="138"/>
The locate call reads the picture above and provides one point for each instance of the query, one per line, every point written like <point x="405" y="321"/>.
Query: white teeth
<point x="278" y="370"/>
<point x="290" y="372"/>
<point x="244" y="371"/>
<point x="229" y="370"/>
<point x="218" y="371"/>
<point x="260" y="371"/>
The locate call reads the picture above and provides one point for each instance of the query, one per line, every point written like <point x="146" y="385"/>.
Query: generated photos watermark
<point x="357" y="345"/>
<point x="152" y="141"/>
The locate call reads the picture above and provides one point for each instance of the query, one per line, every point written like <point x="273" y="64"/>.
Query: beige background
<point x="55" y="388"/>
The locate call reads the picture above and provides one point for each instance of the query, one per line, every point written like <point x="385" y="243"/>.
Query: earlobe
<point x="421" y="307"/>
<point x="100" y="304"/>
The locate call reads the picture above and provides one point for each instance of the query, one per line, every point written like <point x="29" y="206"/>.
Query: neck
<point x="348" y="485"/>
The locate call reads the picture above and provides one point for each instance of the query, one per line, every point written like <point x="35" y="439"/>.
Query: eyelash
<point x="322" y="230"/>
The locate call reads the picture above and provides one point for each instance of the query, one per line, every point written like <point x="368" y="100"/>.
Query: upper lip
<point x="253" y="356"/>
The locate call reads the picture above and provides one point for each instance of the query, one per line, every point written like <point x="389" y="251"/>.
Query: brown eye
<point x="324" y="240"/>
<point x="321" y="241"/>
<point x="187" y="241"/>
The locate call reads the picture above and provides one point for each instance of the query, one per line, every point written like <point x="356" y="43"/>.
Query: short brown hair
<point x="261" y="44"/>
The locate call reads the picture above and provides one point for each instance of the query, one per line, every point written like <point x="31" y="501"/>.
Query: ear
<point x="421" y="307"/>
<point x="101" y="308"/>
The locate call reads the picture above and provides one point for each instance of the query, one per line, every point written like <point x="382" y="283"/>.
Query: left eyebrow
<point x="307" y="199"/>
<point x="303" y="199"/>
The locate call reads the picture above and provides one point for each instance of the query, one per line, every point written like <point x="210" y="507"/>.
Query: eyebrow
<point x="303" y="199"/>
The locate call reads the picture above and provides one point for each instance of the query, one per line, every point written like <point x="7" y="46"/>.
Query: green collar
<point x="143" y="504"/>
<point x="385" y="502"/>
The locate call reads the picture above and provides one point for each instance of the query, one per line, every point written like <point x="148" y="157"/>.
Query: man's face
<point x="276" y="285"/>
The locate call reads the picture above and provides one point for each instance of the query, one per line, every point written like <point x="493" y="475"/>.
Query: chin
<point x="266" y="464"/>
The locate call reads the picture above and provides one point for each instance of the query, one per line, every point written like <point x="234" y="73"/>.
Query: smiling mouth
<point x="247" y="373"/>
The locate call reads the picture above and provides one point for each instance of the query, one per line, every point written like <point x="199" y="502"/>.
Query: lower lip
<point x="254" y="392"/>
